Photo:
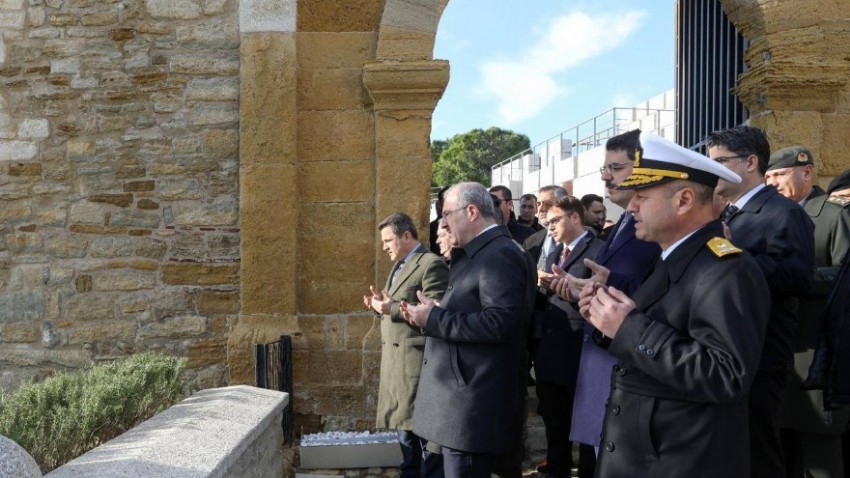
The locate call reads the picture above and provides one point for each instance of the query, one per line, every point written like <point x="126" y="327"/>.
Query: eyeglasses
<point x="612" y="167"/>
<point x="726" y="159"/>
<point x="449" y="212"/>
<point x="554" y="221"/>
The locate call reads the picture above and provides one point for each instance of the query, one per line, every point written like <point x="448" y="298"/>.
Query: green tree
<point x="470" y="156"/>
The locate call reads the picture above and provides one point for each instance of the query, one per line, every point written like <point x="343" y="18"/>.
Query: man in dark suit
<point x="594" y="214"/>
<point x="557" y="354"/>
<point x="473" y="371"/>
<point x="402" y="346"/>
<point x="622" y="262"/>
<point x="504" y="197"/>
<point x="780" y="236"/>
<point x="811" y="437"/>
<point x="689" y="339"/>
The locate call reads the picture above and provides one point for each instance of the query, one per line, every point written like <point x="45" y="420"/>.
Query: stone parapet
<point x="229" y="432"/>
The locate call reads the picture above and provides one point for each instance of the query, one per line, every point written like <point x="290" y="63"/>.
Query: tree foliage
<point x="470" y="156"/>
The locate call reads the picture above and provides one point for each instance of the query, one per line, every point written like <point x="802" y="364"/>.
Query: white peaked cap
<point x="660" y="160"/>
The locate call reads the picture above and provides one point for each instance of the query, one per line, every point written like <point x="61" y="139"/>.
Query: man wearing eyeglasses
<point x="557" y="356"/>
<point x="473" y="371"/>
<point x="779" y="235"/>
<point x="622" y="262"/>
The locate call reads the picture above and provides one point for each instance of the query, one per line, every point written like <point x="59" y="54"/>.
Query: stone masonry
<point x="119" y="192"/>
<point x="199" y="176"/>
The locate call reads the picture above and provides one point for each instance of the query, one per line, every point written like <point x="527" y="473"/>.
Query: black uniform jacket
<point x="474" y="365"/>
<point x="780" y="236"/>
<point x="688" y="354"/>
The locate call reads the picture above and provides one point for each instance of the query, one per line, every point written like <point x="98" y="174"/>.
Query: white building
<point x="573" y="158"/>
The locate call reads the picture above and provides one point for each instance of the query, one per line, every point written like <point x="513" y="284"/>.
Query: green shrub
<point x="73" y="412"/>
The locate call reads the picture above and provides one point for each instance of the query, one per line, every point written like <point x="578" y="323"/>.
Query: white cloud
<point x="524" y="86"/>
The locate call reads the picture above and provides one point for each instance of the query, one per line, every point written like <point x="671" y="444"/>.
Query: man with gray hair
<point x="473" y="372"/>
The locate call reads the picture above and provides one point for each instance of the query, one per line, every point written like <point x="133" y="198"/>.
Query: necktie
<point x="395" y="273"/>
<point x="627" y="217"/>
<point x="729" y="212"/>
<point x="564" y="257"/>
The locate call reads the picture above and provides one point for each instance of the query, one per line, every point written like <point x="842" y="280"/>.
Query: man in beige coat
<point x="402" y="345"/>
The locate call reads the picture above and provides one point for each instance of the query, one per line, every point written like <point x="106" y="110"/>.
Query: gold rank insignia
<point x="840" y="200"/>
<point x="721" y="246"/>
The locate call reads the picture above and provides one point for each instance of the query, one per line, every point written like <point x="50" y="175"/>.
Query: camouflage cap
<point x="790" y="157"/>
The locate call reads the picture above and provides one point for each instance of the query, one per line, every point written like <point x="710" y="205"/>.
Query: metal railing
<point x="577" y="140"/>
<point x="274" y="372"/>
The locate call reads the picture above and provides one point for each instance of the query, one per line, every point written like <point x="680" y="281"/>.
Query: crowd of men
<point x="701" y="334"/>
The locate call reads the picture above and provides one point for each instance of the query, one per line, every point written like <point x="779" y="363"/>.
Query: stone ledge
<point x="204" y="436"/>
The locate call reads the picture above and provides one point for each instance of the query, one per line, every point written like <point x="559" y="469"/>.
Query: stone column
<point x="268" y="186"/>
<point x="404" y="95"/>
<point x="796" y="88"/>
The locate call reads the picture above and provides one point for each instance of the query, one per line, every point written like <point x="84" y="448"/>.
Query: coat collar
<point x="411" y="265"/>
<point x="756" y="202"/>
<point x="815" y="201"/>
<point x="483" y="239"/>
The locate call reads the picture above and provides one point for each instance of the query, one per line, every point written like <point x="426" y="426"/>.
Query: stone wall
<point x="119" y="192"/>
<point x="797" y="87"/>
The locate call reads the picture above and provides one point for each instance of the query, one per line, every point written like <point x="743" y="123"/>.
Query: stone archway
<point x="797" y="86"/>
<point x="335" y="109"/>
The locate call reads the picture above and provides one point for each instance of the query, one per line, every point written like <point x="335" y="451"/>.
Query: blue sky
<point x="539" y="67"/>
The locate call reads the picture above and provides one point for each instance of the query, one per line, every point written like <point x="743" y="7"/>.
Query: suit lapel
<point x="653" y="287"/>
<point x="407" y="270"/>
<point x="626" y="235"/>
<point x="577" y="252"/>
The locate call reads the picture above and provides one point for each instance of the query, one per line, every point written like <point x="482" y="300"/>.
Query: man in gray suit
<point x="402" y="346"/>
<point x="473" y="371"/>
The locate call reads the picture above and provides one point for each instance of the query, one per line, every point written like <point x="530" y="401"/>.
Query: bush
<point x="70" y="413"/>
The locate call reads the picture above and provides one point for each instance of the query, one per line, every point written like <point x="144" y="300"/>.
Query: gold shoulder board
<point x="722" y="247"/>
<point x="840" y="200"/>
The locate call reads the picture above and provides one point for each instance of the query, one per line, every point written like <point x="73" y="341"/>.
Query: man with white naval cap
<point x="690" y="337"/>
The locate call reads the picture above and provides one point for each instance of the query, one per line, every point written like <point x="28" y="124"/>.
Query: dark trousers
<point x="765" y="403"/>
<point x="556" y="409"/>
<point x="463" y="464"/>
<point x="416" y="460"/>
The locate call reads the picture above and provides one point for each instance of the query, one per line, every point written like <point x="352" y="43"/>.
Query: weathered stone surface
<point x="332" y="16"/>
<point x="221" y="143"/>
<point x="97" y="331"/>
<point x="214" y="302"/>
<point x="34" y="129"/>
<point x="335" y="50"/>
<point x="207" y="352"/>
<point x="112" y="247"/>
<point x="25" y="355"/>
<point x="25" y="305"/>
<point x="320" y="181"/>
<point x="200" y="274"/>
<point x="123" y="281"/>
<point x="221" y="34"/>
<point x="213" y="89"/>
<point x="16" y="461"/>
<point x="120" y="200"/>
<point x="403" y="44"/>
<point x="267" y="16"/>
<point x="205" y="64"/>
<point x="335" y="135"/>
<point x="134" y="218"/>
<point x="220" y="212"/>
<point x="175" y="327"/>
<point x="17" y="150"/>
<point x="19" y="332"/>
<point x="268" y="251"/>
<point x="213" y="114"/>
<point x="179" y="190"/>
<point x="25" y="169"/>
<point x="177" y="9"/>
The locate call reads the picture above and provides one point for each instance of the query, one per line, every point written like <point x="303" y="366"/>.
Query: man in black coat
<point x="811" y="436"/>
<point x="779" y="235"/>
<point x="473" y="371"/>
<point x="689" y="339"/>
<point x="557" y="356"/>
<point x="504" y="198"/>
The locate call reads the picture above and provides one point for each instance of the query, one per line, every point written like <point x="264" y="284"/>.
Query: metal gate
<point x="274" y="372"/>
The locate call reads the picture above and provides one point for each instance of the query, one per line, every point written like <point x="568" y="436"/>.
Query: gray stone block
<point x="15" y="462"/>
